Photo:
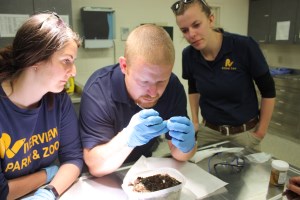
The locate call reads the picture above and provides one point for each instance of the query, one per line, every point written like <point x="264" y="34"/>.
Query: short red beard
<point x="147" y="104"/>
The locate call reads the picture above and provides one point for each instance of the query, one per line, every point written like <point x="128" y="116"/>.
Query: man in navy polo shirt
<point x="125" y="107"/>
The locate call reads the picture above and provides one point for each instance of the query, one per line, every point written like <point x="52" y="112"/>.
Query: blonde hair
<point x="182" y="7"/>
<point x="152" y="43"/>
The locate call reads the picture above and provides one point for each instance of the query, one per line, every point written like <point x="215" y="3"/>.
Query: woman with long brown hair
<point x="38" y="123"/>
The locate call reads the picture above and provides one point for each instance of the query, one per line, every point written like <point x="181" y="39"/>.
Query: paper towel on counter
<point x="202" y="154"/>
<point x="259" y="157"/>
<point x="198" y="181"/>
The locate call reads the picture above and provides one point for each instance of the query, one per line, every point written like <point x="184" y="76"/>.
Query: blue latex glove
<point x="41" y="194"/>
<point x="51" y="171"/>
<point x="181" y="129"/>
<point x="144" y="126"/>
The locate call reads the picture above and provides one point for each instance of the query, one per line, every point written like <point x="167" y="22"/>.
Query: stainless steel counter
<point x="248" y="182"/>
<point x="251" y="182"/>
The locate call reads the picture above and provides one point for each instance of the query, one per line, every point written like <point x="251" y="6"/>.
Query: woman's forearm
<point x="266" y="111"/>
<point x="194" y="105"/>
<point x="65" y="177"/>
<point x="23" y="185"/>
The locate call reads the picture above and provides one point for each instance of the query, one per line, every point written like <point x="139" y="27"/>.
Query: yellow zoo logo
<point x="228" y="63"/>
<point x="5" y="143"/>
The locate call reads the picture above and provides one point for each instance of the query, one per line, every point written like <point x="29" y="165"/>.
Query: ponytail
<point x="7" y="64"/>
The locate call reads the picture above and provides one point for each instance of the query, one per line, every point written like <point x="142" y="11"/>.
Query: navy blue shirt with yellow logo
<point x="33" y="139"/>
<point x="226" y="86"/>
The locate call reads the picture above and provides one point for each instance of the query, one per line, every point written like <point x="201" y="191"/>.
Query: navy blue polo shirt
<point x="226" y="86"/>
<point x="106" y="108"/>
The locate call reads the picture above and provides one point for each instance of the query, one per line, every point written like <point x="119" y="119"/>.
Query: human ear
<point x="34" y="67"/>
<point x="211" y="20"/>
<point x="123" y="66"/>
<point x="37" y="65"/>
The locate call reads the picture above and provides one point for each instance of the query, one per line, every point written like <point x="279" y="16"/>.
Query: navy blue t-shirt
<point x="106" y="108"/>
<point x="33" y="139"/>
<point x="226" y="87"/>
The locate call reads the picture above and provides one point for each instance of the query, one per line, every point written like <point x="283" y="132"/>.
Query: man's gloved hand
<point x="41" y="194"/>
<point x="181" y="129"/>
<point x="144" y="126"/>
<point x="50" y="171"/>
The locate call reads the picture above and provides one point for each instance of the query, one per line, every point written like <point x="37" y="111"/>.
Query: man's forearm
<point x="106" y="158"/>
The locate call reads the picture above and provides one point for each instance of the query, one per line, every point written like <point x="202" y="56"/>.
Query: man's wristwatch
<point x="52" y="189"/>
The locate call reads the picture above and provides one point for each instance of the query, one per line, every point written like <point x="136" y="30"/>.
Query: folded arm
<point x="23" y="185"/>
<point x="63" y="178"/>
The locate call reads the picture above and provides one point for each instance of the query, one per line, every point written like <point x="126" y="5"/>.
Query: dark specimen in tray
<point x="154" y="183"/>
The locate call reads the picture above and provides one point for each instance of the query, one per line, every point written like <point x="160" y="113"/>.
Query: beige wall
<point x="282" y="55"/>
<point x="131" y="13"/>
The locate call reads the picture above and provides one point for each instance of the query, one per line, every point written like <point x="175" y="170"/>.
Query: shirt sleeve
<point x="192" y="89"/>
<point x="257" y="61"/>
<point x="180" y="99"/>
<point x="186" y="73"/>
<point x="70" y="150"/>
<point x="185" y="65"/>
<point x="96" y="126"/>
<point x="266" y="85"/>
<point x="177" y="103"/>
